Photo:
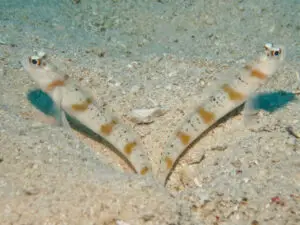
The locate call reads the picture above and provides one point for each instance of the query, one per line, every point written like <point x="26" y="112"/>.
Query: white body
<point x="226" y="98"/>
<point x="79" y="103"/>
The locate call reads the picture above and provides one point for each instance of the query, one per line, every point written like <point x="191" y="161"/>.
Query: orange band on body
<point x="258" y="74"/>
<point x="233" y="94"/>
<point x="129" y="147"/>
<point x="54" y="84"/>
<point x="207" y="117"/>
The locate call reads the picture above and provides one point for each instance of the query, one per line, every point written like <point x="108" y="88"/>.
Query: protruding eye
<point x="276" y="52"/>
<point x="35" y="61"/>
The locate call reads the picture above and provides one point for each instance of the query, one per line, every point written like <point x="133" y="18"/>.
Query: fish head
<point x="40" y="69"/>
<point x="274" y="52"/>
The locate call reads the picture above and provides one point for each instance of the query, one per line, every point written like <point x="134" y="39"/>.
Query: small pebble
<point x="121" y="222"/>
<point x="146" y="116"/>
<point x="135" y="89"/>
<point x="169" y="87"/>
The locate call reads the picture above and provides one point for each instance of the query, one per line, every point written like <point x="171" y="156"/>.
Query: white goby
<point x="78" y="103"/>
<point x="225" y="99"/>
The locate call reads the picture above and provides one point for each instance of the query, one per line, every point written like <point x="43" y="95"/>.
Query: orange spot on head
<point x="184" y="138"/>
<point x="206" y="116"/>
<point x="129" y="147"/>
<point x="106" y="129"/>
<point x="83" y="106"/>
<point x="233" y="94"/>
<point x="54" y="84"/>
<point x="144" y="170"/>
<point x="258" y="74"/>
<point x="169" y="162"/>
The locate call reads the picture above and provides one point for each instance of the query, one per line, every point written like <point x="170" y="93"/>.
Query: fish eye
<point x="34" y="61"/>
<point x="276" y="52"/>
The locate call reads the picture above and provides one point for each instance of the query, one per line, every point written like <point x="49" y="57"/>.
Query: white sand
<point x="169" y="52"/>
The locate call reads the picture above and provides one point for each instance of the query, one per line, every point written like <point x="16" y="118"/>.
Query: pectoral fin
<point x="251" y="110"/>
<point x="268" y="101"/>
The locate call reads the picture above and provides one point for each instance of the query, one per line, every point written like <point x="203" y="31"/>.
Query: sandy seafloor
<point x="142" y="54"/>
